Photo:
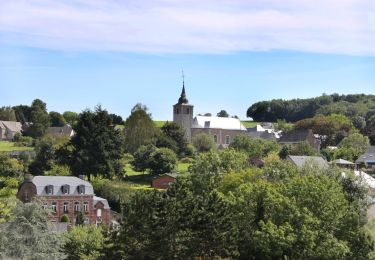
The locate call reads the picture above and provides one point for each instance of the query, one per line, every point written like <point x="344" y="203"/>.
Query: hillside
<point x="352" y="106"/>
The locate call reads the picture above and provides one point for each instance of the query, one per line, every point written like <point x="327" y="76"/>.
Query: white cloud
<point x="192" y="26"/>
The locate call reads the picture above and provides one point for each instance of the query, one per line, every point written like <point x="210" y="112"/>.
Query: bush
<point x="203" y="142"/>
<point x="65" y="219"/>
<point x="21" y="140"/>
<point x="187" y="160"/>
<point x="162" y="160"/>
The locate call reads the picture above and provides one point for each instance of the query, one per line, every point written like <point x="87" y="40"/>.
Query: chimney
<point x="82" y="177"/>
<point x="28" y="177"/>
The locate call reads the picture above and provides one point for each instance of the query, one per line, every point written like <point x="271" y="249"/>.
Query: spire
<point x="183" y="99"/>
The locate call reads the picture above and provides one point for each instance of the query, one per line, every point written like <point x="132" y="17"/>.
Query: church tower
<point x="183" y="112"/>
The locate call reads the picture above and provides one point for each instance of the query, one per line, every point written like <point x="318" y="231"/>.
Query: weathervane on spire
<point x="183" y="77"/>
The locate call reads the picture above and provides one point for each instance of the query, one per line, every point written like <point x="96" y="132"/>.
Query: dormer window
<point x="207" y="124"/>
<point x="65" y="189"/>
<point x="81" y="189"/>
<point x="49" y="189"/>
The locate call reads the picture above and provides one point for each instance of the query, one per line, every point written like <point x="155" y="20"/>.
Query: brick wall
<point x="27" y="192"/>
<point x="162" y="182"/>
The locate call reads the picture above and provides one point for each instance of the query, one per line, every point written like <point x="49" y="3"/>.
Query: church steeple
<point x="183" y="99"/>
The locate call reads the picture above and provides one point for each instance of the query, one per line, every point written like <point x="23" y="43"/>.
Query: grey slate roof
<point x="368" y="157"/>
<point x="342" y="161"/>
<point x="11" y="125"/>
<point x="66" y="130"/>
<point x="57" y="182"/>
<point x="300" y="161"/>
<point x="104" y="201"/>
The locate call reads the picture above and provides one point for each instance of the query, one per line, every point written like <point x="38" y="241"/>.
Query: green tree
<point x="7" y="114"/>
<point x="176" y="134"/>
<point x="97" y="145"/>
<point x="221" y="161"/>
<point x="162" y="160"/>
<point x="254" y="147"/>
<point x="142" y="158"/>
<point x="84" y="242"/>
<point x="352" y="146"/>
<point x="10" y="167"/>
<point x="8" y="201"/>
<point x="331" y="129"/>
<point x="23" y="113"/>
<point x="39" y="119"/>
<point x="139" y="129"/>
<point x="70" y="117"/>
<point x="45" y="156"/>
<point x="56" y="119"/>
<point x="203" y="142"/>
<point x="223" y="113"/>
<point x="29" y="236"/>
<point x="116" y="119"/>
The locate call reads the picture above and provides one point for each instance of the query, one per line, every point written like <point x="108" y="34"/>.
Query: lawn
<point x="249" y="124"/>
<point x="6" y="146"/>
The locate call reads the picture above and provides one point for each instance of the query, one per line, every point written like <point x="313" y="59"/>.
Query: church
<point x="222" y="129"/>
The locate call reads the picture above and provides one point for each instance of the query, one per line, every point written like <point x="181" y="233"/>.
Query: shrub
<point x="65" y="219"/>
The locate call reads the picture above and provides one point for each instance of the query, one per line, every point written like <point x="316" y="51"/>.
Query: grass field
<point x="6" y="146"/>
<point x="249" y="124"/>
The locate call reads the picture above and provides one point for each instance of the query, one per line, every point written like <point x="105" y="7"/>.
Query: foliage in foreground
<point x="28" y="236"/>
<point x="305" y="214"/>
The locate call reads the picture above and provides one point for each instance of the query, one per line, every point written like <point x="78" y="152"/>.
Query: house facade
<point x="296" y="137"/>
<point x="221" y="129"/>
<point x="8" y="129"/>
<point x="65" y="195"/>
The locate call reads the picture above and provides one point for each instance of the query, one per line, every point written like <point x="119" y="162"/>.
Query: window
<point x="65" y="189"/>
<point x="187" y="110"/>
<point x="54" y="207"/>
<point x="85" y="206"/>
<point x="66" y="207"/>
<point x="26" y="196"/>
<point x="207" y="124"/>
<point x="215" y="139"/>
<point x="227" y="139"/>
<point x="49" y="189"/>
<point x="45" y="206"/>
<point x="98" y="212"/>
<point x="76" y="206"/>
<point x="81" y="189"/>
<point x="177" y="111"/>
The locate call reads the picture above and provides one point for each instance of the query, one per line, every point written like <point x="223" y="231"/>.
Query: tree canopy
<point x="97" y="145"/>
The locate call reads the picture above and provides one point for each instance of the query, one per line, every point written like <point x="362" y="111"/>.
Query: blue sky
<point x="76" y="54"/>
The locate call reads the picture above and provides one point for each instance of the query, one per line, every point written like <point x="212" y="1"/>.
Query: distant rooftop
<point x="218" y="123"/>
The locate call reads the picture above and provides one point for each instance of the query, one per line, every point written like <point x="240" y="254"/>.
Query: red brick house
<point x="66" y="195"/>
<point x="164" y="181"/>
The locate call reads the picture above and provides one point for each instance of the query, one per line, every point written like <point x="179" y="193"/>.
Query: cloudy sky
<point x="75" y="54"/>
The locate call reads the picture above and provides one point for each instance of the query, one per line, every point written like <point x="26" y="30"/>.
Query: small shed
<point x="164" y="181"/>
<point x="343" y="163"/>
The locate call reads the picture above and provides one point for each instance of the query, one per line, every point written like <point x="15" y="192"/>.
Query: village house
<point x="66" y="195"/>
<point x="164" y="181"/>
<point x="296" y="137"/>
<point x="264" y="131"/>
<point x="301" y="161"/>
<point x="8" y="129"/>
<point x="221" y="129"/>
<point x="367" y="160"/>
<point x="66" y="131"/>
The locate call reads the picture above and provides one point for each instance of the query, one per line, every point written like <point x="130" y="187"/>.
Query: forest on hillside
<point x="358" y="107"/>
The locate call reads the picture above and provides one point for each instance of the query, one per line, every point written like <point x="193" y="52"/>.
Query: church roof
<point x="218" y="123"/>
<point x="183" y="99"/>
